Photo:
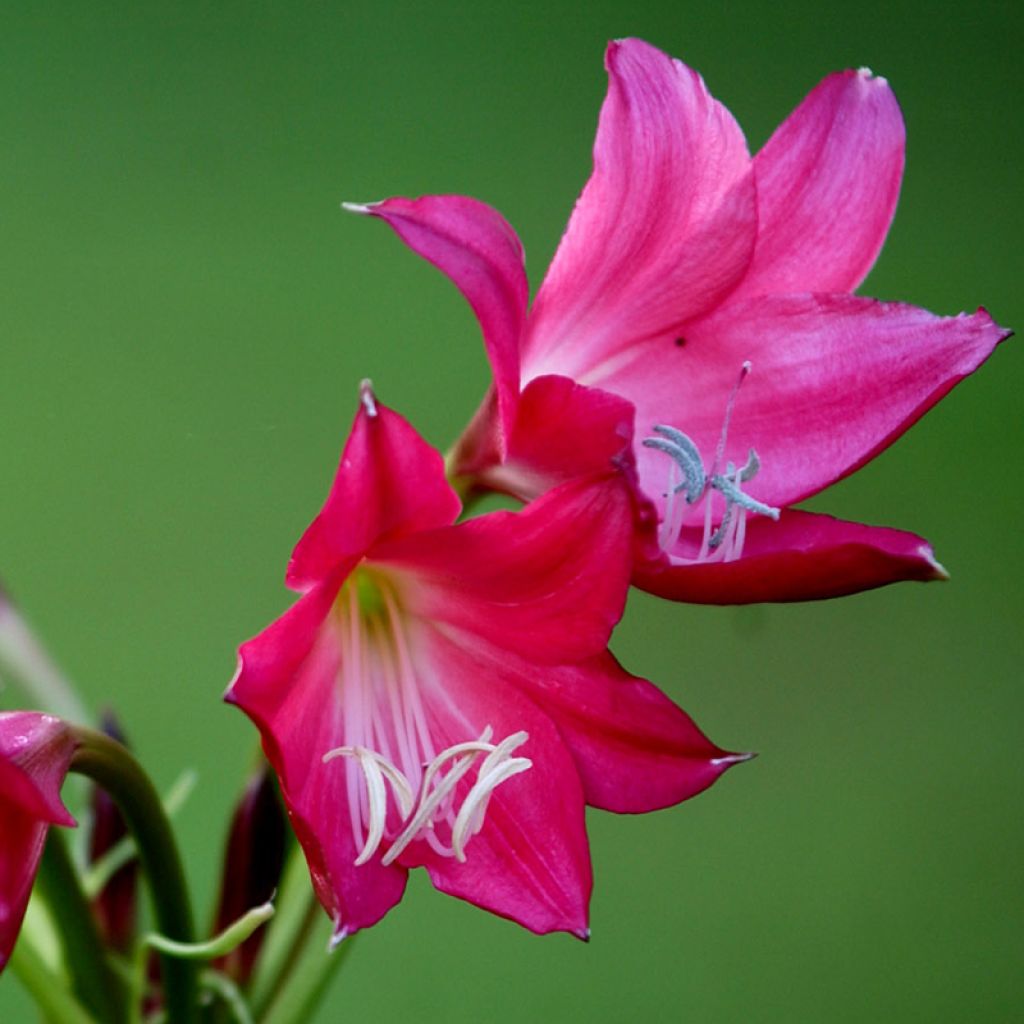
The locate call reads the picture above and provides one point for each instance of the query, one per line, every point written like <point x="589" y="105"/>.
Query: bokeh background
<point x="185" y="315"/>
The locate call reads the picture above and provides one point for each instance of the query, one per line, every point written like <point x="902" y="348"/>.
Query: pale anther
<point x="423" y="812"/>
<point x="725" y="541"/>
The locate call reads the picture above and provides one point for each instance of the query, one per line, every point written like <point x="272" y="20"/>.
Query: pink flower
<point x="442" y="695"/>
<point x="688" y="267"/>
<point x="35" y="751"/>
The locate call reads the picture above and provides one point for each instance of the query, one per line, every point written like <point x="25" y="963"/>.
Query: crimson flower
<point x="442" y="695"/>
<point x="35" y="751"/>
<point x="688" y="268"/>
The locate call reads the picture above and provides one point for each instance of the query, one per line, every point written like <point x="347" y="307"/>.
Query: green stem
<point x="300" y="995"/>
<point x="46" y="988"/>
<point x="297" y="913"/>
<point x="93" y="980"/>
<point x="113" y="768"/>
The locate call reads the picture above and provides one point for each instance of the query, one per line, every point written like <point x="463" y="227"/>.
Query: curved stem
<point x="111" y="766"/>
<point x="93" y="980"/>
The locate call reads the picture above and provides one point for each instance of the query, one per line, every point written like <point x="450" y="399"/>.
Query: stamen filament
<point x="421" y="813"/>
<point x="725" y="541"/>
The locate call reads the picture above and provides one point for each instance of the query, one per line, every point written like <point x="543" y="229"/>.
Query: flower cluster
<point x="441" y="694"/>
<point x="694" y="364"/>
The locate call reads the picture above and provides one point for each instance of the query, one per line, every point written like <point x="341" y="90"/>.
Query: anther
<point x="726" y="540"/>
<point x="421" y="813"/>
<point x="367" y="397"/>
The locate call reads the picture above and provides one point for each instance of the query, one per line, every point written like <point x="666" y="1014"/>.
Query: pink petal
<point x="802" y="557"/>
<point x="548" y="582"/>
<point x="563" y="430"/>
<point x="477" y="248"/>
<point x="530" y="862"/>
<point x="20" y="852"/>
<point x="827" y="185"/>
<point x="35" y="751"/>
<point x="287" y="683"/>
<point x="634" y="749"/>
<point x="664" y="228"/>
<point x="389" y="482"/>
<point x="834" y="380"/>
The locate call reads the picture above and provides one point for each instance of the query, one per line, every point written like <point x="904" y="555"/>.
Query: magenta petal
<point x="35" y="752"/>
<point x="389" y="482"/>
<point x="804" y="556"/>
<point x="664" y="228"/>
<point x="827" y="185"/>
<point x="530" y="862"/>
<point x="634" y="749"/>
<point x="287" y="683"/>
<point x="477" y="248"/>
<point x="564" y="430"/>
<point x="548" y="582"/>
<point x="834" y="379"/>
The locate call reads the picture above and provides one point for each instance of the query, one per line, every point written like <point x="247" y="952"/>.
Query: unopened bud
<point x="115" y="904"/>
<point x="252" y="868"/>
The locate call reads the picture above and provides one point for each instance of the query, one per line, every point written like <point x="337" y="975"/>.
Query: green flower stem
<point x="101" y="871"/>
<point x="305" y="986"/>
<point x="92" y="977"/>
<point x="297" y="911"/>
<point x="47" y="989"/>
<point x="113" y="768"/>
<point x="230" y="996"/>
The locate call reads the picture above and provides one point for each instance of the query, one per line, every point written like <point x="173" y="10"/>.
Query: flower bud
<point x="252" y="867"/>
<point x="115" y="905"/>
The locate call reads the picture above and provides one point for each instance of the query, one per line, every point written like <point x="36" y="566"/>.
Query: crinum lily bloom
<point x="699" y="317"/>
<point x="35" y="751"/>
<point x="442" y="695"/>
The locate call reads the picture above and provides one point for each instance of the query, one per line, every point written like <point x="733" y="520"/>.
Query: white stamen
<point x="423" y="812"/>
<point x="375" y="770"/>
<point x="497" y="767"/>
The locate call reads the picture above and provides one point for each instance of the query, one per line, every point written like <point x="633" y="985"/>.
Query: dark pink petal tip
<point x="805" y="556"/>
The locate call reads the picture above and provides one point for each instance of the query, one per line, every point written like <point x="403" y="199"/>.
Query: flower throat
<point x="389" y="746"/>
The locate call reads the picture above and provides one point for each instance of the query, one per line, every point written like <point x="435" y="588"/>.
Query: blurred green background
<point x="185" y="315"/>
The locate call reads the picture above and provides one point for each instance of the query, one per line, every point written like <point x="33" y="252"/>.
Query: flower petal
<point x="287" y="683"/>
<point x="20" y="852"/>
<point x="827" y="185"/>
<point x="835" y="379"/>
<point x="35" y="752"/>
<point x="389" y="482"/>
<point x="530" y="862"/>
<point x="477" y="248"/>
<point x="635" y="750"/>
<point x="664" y="228"/>
<point x="548" y="582"/>
<point x="804" y="556"/>
<point x="562" y="431"/>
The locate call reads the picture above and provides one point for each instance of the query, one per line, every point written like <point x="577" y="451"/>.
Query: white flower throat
<point x="689" y="484"/>
<point x="388" y="743"/>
